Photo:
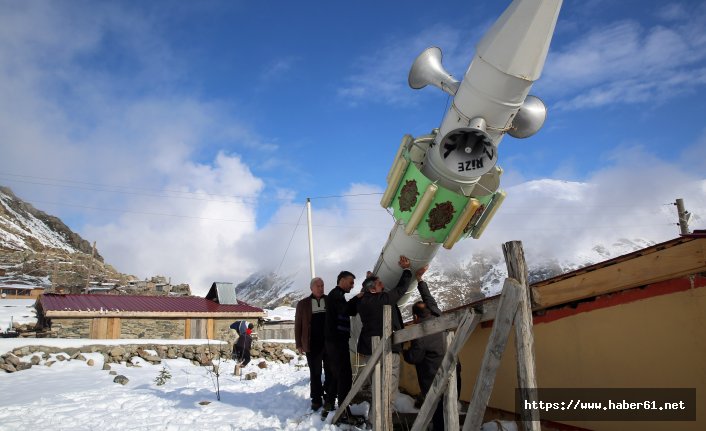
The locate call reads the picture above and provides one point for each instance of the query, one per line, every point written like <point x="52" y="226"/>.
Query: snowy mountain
<point x="269" y="290"/>
<point x="452" y="285"/>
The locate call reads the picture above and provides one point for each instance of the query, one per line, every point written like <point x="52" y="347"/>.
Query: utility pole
<point x="90" y="267"/>
<point x="684" y="217"/>
<point x="311" y="238"/>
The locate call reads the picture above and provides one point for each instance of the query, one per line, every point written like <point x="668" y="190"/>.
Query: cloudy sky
<point x="185" y="137"/>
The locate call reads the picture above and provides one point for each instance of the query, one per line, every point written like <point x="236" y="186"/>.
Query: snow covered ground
<point x="70" y="395"/>
<point x="17" y="310"/>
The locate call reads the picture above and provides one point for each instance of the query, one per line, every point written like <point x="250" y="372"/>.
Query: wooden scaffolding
<point x="513" y="307"/>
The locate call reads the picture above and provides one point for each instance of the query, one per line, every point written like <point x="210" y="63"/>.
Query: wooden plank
<point x="113" y="327"/>
<point x="375" y="411"/>
<point x="358" y="382"/>
<point x="468" y="323"/>
<point x="187" y="329"/>
<point x="681" y="260"/>
<point x="209" y="329"/>
<point x="524" y="338"/>
<point x="99" y="328"/>
<point x="430" y="326"/>
<point x="198" y="328"/>
<point x="386" y="386"/>
<point x="451" y="395"/>
<point x="93" y="333"/>
<point x="502" y="324"/>
<point x="109" y="332"/>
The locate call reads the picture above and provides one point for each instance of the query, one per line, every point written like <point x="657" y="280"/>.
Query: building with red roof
<point x="132" y="316"/>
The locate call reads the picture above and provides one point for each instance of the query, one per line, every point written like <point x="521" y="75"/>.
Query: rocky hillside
<point x="25" y="228"/>
<point x="38" y="249"/>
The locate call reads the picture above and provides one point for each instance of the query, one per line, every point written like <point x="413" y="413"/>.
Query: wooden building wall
<point x="641" y="338"/>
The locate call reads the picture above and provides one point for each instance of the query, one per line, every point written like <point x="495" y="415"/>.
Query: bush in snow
<point x="162" y="377"/>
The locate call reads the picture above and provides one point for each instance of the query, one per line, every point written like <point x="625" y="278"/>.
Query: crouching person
<point x="241" y="349"/>
<point x="427" y="353"/>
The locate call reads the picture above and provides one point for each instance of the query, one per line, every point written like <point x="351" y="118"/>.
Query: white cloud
<point x="278" y="68"/>
<point x="627" y="63"/>
<point x="631" y="197"/>
<point x="381" y="76"/>
<point x="199" y="249"/>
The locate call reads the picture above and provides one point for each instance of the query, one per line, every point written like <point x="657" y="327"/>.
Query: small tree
<point x="163" y="376"/>
<point x="215" y="371"/>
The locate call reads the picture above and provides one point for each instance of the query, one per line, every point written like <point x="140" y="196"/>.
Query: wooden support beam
<point x="441" y="380"/>
<point x="430" y="326"/>
<point x="387" y="383"/>
<point x="493" y="353"/>
<point x="376" y="388"/>
<point x="524" y="338"/>
<point x="451" y="395"/>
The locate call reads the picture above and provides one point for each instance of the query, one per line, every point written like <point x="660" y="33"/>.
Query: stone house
<point x="133" y="316"/>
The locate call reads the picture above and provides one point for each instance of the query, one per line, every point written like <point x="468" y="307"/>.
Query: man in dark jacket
<point x="241" y="349"/>
<point x="309" y="323"/>
<point x="427" y="353"/>
<point x="370" y="309"/>
<point x="337" y="334"/>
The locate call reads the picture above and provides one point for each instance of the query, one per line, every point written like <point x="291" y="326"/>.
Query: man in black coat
<point x="370" y="309"/>
<point x="337" y="333"/>
<point x="241" y="349"/>
<point x="427" y="353"/>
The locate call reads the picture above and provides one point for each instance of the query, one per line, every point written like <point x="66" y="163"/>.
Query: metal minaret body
<point x="445" y="186"/>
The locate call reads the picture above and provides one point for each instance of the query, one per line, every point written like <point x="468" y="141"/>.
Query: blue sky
<point x="107" y="110"/>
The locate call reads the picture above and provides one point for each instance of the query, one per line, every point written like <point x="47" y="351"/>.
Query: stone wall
<point x="71" y="328"/>
<point x="165" y="329"/>
<point x="23" y="358"/>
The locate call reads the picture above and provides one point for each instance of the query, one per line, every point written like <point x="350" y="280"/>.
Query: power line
<point x="345" y="195"/>
<point x="290" y="241"/>
<point x="154" y="192"/>
<point x="197" y="217"/>
<point x="127" y="192"/>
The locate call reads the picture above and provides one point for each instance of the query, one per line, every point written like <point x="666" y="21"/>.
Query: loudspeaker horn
<point x="427" y="69"/>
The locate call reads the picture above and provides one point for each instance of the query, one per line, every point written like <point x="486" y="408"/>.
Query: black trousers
<point x="318" y="362"/>
<point x="242" y="355"/>
<point x="340" y="364"/>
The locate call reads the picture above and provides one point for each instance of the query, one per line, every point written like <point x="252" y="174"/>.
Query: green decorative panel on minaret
<point x="442" y="213"/>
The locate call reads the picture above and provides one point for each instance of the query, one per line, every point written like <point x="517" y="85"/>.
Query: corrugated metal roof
<point x="134" y="303"/>
<point x="226" y="293"/>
